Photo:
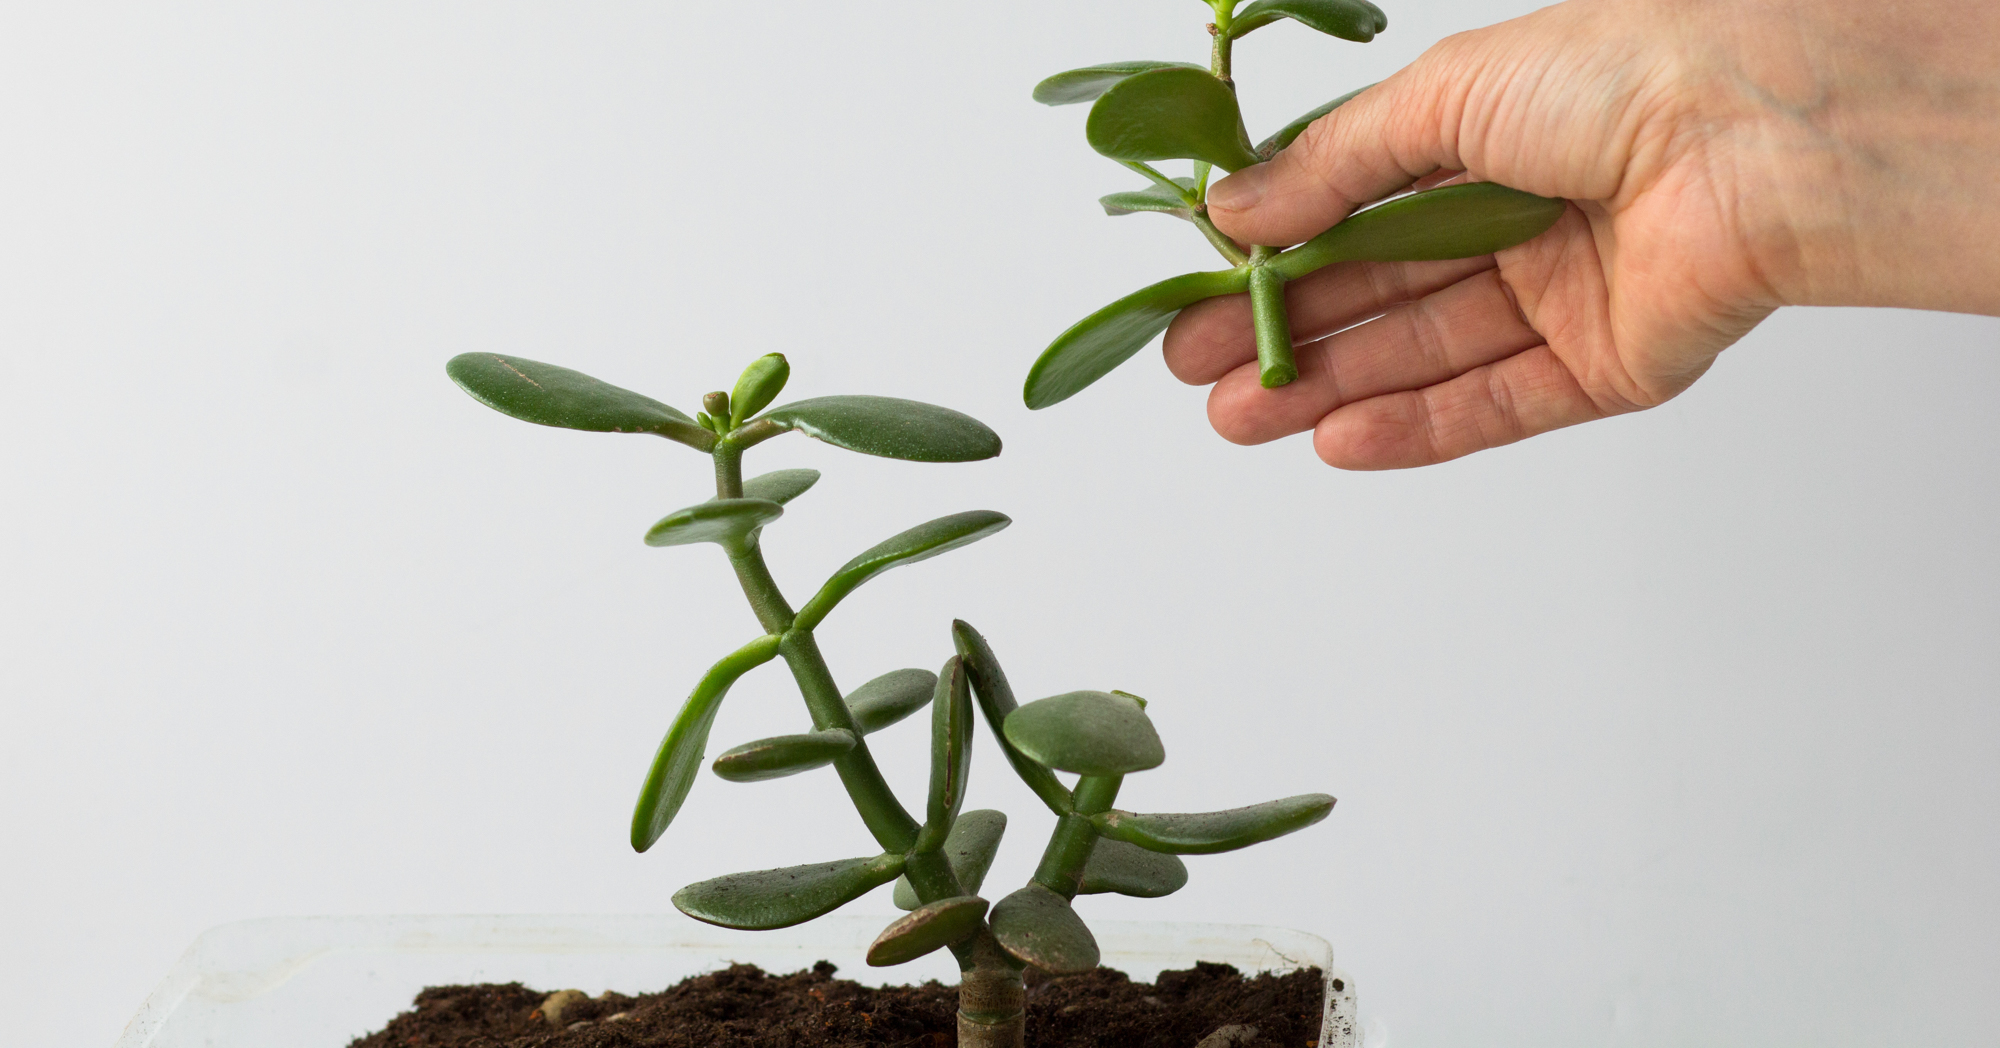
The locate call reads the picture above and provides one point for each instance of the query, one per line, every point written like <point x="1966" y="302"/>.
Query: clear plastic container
<point x="320" y="982"/>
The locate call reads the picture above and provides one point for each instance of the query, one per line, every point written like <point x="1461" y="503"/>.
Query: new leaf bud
<point x="758" y="386"/>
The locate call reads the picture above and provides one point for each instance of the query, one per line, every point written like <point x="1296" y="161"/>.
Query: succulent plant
<point x="938" y="858"/>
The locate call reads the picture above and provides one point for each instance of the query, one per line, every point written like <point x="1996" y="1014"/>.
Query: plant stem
<point x="1216" y="238"/>
<point x="1275" y="366"/>
<point x="1218" y="56"/>
<point x="1063" y="861"/>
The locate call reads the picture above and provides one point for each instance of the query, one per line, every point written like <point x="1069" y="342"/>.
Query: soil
<point x="746" y="1007"/>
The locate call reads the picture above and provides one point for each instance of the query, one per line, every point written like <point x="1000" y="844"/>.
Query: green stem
<point x="1063" y="861"/>
<point x="891" y="825"/>
<point x="1216" y="237"/>
<point x="1275" y="366"/>
<point x="1218" y="56"/>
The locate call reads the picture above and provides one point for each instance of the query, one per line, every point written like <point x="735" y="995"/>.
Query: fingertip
<point x="1208" y="339"/>
<point x="1379" y="433"/>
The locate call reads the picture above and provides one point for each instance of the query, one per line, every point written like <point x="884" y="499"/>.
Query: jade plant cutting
<point x="938" y="855"/>
<point x="1149" y="111"/>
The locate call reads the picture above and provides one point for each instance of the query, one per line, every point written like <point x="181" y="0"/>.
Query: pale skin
<point x="1724" y="158"/>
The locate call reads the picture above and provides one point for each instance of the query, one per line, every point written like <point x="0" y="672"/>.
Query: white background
<point x="1675" y="729"/>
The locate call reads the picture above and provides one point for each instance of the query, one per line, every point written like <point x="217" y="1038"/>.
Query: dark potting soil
<point x="745" y="1007"/>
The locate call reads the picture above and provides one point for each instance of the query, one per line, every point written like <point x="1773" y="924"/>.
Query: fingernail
<point x="1241" y="190"/>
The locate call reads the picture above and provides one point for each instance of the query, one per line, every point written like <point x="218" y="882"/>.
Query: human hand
<point x="1722" y="158"/>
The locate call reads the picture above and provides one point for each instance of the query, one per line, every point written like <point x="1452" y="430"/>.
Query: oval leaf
<point x="1356" y="20"/>
<point x="759" y="384"/>
<point x="1086" y="84"/>
<point x="780" y="486"/>
<point x="1153" y="198"/>
<point x="919" y="543"/>
<point x="996" y="701"/>
<point x="548" y="395"/>
<point x="731" y="522"/>
<point x="783" y="755"/>
<point x="927" y="928"/>
<point x="1206" y="833"/>
<point x="1038" y="927"/>
<point x="1171" y="114"/>
<point x="951" y="755"/>
<point x="674" y="767"/>
<point x="970" y="847"/>
<point x="769" y="899"/>
<point x="1459" y="221"/>
<point x="1290" y="133"/>
<point x="891" y="428"/>
<point x="1087" y="732"/>
<point x="891" y="697"/>
<point x="1109" y="337"/>
<point x="1128" y="869"/>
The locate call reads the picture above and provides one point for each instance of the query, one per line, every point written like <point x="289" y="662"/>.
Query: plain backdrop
<point x="1674" y="729"/>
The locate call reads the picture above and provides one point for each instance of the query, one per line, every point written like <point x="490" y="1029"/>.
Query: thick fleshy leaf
<point x="1171" y="114"/>
<point x="891" y="697"/>
<point x="927" y="928"/>
<point x="730" y="522"/>
<point x="780" y="486"/>
<point x="891" y="428"/>
<point x="1086" y="84"/>
<point x="1205" y="833"/>
<point x="1461" y="221"/>
<point x="1356" y="20"/>
<point x="970" y="847"/>
<point x="769" y="899"/>
<point x="1109" y="337"/>
<point x="679" y="759"/>
<point x="951" y="755"/>
<point x="1290" y="133"/>
<point x="1153" y="198"/>
<point x="1040" y="928"/>
<point x="1128" y="869"/>
<point x="759" y="384"/>
<point x="782" y="755"/>
<point x="548" y="395"/>
<point x="1087" y="732"/>
<point x="919" y="543"/>
<point x="996" y="701"/>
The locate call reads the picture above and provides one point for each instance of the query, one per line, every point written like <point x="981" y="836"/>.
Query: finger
<point x="1212" y="338"/>
<point x="1467" y="325"/>
<point x="1529" y="393"/>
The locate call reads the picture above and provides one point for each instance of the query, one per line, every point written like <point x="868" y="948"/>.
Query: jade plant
<point x="1148" y="111"/>
<point x="938" y="856"/>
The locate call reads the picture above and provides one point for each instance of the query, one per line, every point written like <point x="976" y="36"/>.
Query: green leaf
<point x="969" y="848"/>
<point x="729" y="522"/>
<point x="951" y="755"/>
<point x="1087" y="732"/>
<point x="891" y="697"/>
<point x="891" y="428"/>
<point x="996" y="701"/>
<point x="1459" y="221"/>
<point x="1086" y="84"/>
<point x="919" y="543"/>
<point x="1170" y="114"/>
<point x="1040" y="928"/>
<point x="780" y="486"/>
<point x="782" y="755"/>
<point x="1109" y="337"/>
<point x="927" y="928"/>
<point x="1153" y="198"/>
<point x="1128" y="869"/>
<point x="548" y="395"/>
<point x="1290" y="133"/>
<point x="1206" y="833"/>
<point x="759" y="384"/>
<point x="1356" y="20"/>
<point x="768" y="899"/>
<point x="674" y="767"/>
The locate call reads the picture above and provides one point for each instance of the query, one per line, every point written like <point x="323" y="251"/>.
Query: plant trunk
<point x="991" y="1008"/>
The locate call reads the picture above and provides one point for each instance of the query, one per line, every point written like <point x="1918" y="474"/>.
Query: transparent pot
<point x="320" y="982"/>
